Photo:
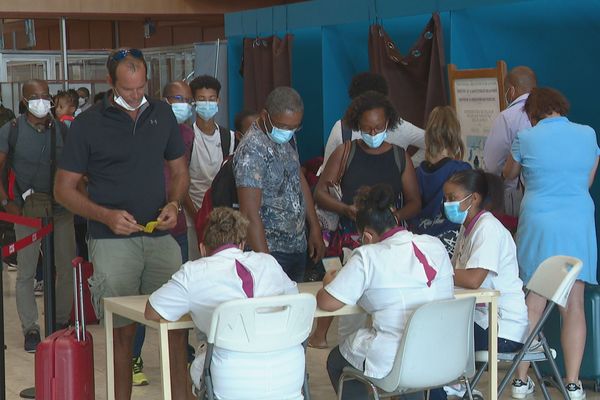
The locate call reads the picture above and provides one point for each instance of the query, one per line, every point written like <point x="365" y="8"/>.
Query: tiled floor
<point x="20" y="373"/>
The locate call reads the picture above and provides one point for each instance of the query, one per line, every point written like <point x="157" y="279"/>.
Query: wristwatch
<point x="4" y="202"/>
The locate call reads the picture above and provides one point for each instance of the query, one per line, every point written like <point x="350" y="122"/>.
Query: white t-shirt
<point x="199" y="287"/>
<point x="205" y="162"/>
<point x="405" y="134"/>
<point x="490" y="246"/>
<point x="389" y="282"/>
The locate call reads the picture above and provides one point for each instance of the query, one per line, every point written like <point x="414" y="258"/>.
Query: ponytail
<point x="487" y="185"/>
<point x="375" y="205"/>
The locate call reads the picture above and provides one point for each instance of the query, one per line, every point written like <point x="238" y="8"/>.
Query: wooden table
<point x="133" y="307"/>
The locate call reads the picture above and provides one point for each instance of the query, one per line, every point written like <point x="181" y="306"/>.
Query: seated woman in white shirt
<point x="485" y="256"/>
<point x="392" y="274"/>
<point x="219" y="276"/>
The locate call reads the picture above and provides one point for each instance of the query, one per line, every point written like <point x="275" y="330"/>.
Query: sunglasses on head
<point x="121" y="54"/>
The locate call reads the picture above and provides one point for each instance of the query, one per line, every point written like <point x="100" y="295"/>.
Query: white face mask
<point x="39" y="107"/>
<point x="82" y="101"/>
<point x="121" y="102"/>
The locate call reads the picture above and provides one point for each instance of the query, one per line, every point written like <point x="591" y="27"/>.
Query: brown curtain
<point x="266" y="64"/>
<point x="416" y="80"/>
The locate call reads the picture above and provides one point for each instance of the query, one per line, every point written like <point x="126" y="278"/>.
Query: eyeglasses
<point x="179" y="99"/>
<point x="121" y="54"/>
<point x="375" y="131"/>
<point x="38" y="97"/>
<point x="295" y="130"/>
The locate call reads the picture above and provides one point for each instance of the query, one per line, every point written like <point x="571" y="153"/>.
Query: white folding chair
<point x="436" y="350"/>
<point x="553" y="280"/>
<point x="259" y="325"/>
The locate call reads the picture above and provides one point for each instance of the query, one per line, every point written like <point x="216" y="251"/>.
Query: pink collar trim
<point x="471" y="225"/>
<point x="391" y="232"/>
<point x="224" y="247"/>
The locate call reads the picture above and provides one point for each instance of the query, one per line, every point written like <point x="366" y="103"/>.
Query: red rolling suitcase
<point x="64" y="361"/>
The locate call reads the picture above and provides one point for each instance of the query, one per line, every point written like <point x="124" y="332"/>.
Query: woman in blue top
<point x="558" y="161"/>
<point x="444" y="150"/>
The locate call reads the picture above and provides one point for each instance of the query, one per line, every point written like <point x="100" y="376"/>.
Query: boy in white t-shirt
<point x="212" y="143"/>
<point x="485" y="256"/>
<point x="225" y="273"/>
<point x="392" y="274"/>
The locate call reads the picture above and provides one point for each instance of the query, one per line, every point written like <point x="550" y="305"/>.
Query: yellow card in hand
<point x="150" y="226"/>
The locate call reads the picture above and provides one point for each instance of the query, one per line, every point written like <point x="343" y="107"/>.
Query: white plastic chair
<point x="553" y="280"/>
<point x="260" y="325"/>
<point x="436" y="350"/>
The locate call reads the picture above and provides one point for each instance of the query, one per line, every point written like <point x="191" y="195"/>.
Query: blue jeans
<point x="293" y="264"/>
<point x="140" y="332"/>
<point x="504" y="345"/>
<point x="353" y="390"/>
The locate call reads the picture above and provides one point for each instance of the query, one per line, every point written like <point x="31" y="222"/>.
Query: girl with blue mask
<point x="485" y="256"/>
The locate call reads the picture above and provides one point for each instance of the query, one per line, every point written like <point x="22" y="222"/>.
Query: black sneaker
<point x="32" y="339"/>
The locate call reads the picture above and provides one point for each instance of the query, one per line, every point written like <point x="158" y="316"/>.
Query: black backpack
<point x="222" y="193"/>
<point x="225" y="142"/>
<point x="13" y="136"/>
<point x="346" y="132"/>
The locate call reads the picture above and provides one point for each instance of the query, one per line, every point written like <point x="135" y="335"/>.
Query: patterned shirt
<point x="274" y="169"/>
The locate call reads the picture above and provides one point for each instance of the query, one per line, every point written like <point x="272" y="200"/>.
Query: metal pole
<point x="2" y="345"/>
<point x="117" y="34"/>
<point x="49" y="292"/>
<point x="63" y="48"/>
<point x="49" y="287"/>
<point x="217" y="59"/>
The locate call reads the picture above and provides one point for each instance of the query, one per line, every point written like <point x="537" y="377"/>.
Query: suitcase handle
<point x="78" y="298"/>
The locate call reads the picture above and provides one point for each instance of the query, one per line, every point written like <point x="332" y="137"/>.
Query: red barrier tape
<point x="26" y="241"/>
<point x="20" y="220"/>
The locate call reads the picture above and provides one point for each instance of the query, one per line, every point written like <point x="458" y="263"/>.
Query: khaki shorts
<point x="129" y="267"/>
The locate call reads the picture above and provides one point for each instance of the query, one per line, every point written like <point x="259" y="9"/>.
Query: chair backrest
<point x="436" y="348"/>
<point x="555" y="277"/>
<point x="262" y="324"/>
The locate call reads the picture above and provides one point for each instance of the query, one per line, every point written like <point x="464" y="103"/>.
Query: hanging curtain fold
<point x="266" y="64"/>
<point x="417" y="81"/>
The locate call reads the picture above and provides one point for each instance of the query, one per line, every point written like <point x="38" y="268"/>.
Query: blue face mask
<point x="182" y="111"/>
<point x="374" y="141"/>
<point x="278" y="135"/>
<point x="453" y="211"/>
<point x="207" y="109"/>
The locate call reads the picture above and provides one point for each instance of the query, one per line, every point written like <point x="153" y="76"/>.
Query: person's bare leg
<point x="535" y="309"/>
<point x="123" y="353"/>
<point x="178" y="340"/>
<point x="318" y="339"/>
<point x="573" y="332"/>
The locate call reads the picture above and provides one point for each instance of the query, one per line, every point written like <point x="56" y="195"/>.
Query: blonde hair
<point x="225" y="226"/>
<point x="442" y="133"/>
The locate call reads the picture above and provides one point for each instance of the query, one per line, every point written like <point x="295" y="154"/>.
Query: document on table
<point x="332" y="263"/>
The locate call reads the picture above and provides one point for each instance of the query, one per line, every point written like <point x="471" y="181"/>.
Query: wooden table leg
<point x="165" y="369"/>
<point x="110" y="355"/>
<point x="493" y="348"/>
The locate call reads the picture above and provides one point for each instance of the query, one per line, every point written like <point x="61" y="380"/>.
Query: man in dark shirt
<point x="121" y="145"/>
